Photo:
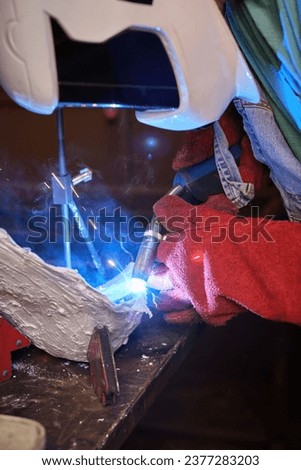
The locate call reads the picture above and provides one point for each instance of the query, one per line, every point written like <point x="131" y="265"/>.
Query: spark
<point x="47" y="185"/>
<point x="112" y="263"/>
<point x="58" y="181"/>
<point x="126" y="251"/>
<point x="155" y="303"/>
<point x="93" y="224"/>
<point x="75" y="192"/>
<point x="198" y="257"/>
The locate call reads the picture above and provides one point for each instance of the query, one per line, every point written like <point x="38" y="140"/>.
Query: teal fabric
<point x="269" y="34"/>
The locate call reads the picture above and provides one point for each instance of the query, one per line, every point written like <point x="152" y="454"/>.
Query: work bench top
<point x="59" y="395"/>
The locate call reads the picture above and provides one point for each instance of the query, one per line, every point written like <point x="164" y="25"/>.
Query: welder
<point x="215" y="260"/>
<point x="219" y="262"/>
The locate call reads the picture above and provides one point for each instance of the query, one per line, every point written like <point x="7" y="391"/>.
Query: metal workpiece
<point x="61" y="142"/>
<point x="62" y="191"/>
<point x="84" y="233"/>
<point x="66" y="189"/>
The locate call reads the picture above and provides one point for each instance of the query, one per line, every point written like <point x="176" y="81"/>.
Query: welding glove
<point x="222" y="264"/>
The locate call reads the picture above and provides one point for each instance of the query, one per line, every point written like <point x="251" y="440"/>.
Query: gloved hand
<point x="222" y="264"/>
<point x="170" y="300"/>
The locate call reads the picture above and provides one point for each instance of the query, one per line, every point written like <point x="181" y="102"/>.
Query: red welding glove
<point x="174" y="298"/>
<point x="222" y="264"/>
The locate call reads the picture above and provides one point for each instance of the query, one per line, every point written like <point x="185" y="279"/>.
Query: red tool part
<point x="10" y="340"/>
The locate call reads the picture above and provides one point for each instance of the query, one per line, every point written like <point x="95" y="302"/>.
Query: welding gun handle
<point x="202" y="179"/>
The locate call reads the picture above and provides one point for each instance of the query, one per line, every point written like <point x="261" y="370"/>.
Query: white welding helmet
<point x="208" y="66"/>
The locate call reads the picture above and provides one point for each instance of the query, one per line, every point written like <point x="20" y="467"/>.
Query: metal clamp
<point x="10" y="340"/>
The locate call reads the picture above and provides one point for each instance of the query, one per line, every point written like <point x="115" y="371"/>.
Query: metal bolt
<point x="5" y="373"/>
<point x="18" y="342"/>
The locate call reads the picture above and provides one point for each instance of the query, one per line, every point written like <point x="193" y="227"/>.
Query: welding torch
<point x="194" y="185"/>
<point x="148" y="249"/>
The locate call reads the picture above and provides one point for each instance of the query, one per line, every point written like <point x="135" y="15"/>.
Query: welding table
<point x="58" y="394"/>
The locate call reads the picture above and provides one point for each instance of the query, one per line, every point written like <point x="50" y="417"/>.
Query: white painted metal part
<point x="209" y="68"/>
<point x="56" y="309"/>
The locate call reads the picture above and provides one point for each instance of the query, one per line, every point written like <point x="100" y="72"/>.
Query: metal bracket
<point x="62" y="189"/>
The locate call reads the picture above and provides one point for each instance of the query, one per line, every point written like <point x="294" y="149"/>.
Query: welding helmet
<point x="208" y="67"/>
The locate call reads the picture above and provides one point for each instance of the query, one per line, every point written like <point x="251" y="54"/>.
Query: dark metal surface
<point x="58" y="393"/>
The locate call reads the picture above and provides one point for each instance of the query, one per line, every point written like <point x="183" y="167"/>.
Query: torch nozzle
<point x="149" y="245"/>
<point x="147" y="251"/>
